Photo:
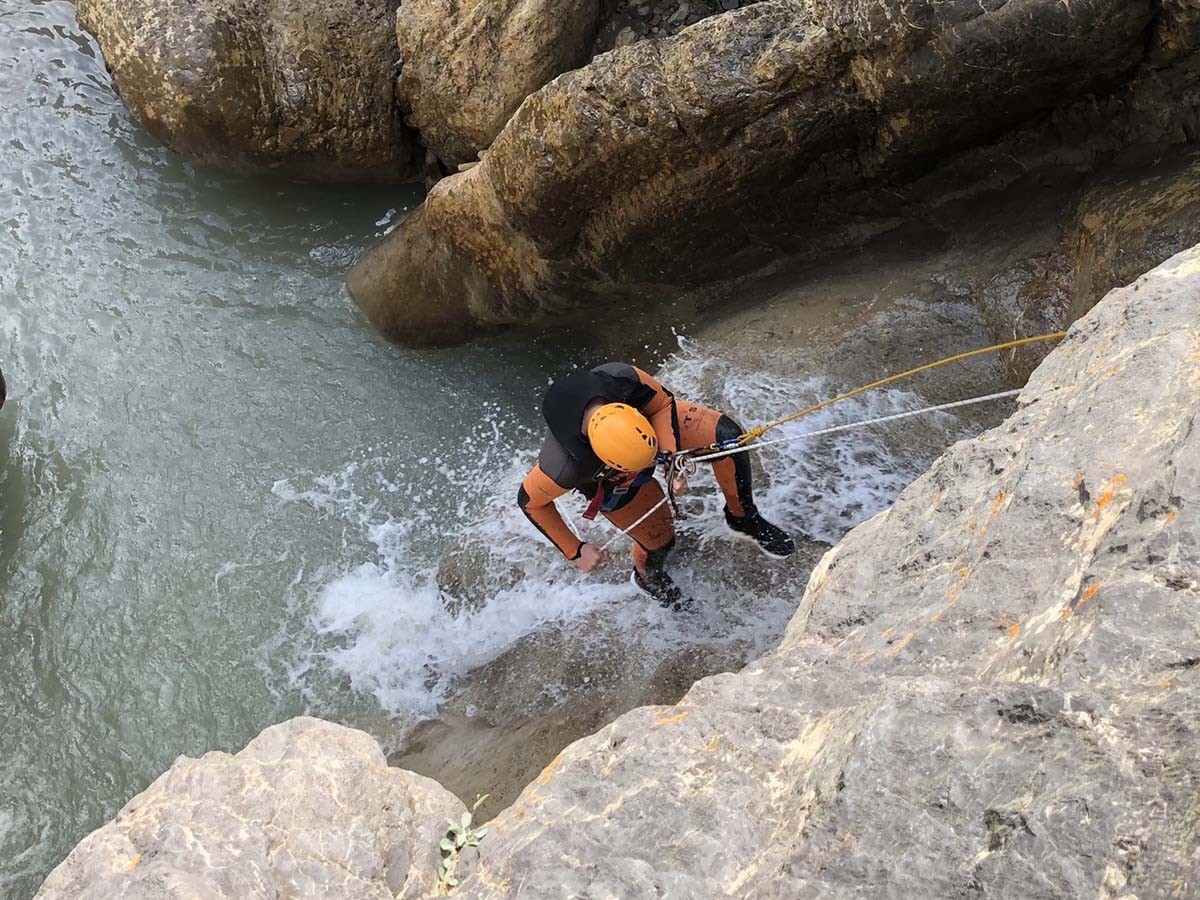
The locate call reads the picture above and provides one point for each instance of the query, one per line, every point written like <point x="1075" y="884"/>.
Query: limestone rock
<point x="734" y="133"/>
<point x="307" y="810"/>
<point x="468" y="64"/>
<point x="303" y="89"/>
<point x="990" y="689"/>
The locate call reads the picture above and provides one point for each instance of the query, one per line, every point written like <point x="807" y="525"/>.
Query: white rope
<point x="708" y="457"/>
<point x="620" y="534"/>
<point x="836" y="429"/>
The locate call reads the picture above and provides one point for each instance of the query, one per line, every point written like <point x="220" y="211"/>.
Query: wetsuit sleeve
<point x="536" y="499"/>
<point x="660" y="410"/>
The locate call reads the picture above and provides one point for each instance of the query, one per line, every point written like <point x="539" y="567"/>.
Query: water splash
<point x="825" y="486"/>
<point x="384" y="621"/>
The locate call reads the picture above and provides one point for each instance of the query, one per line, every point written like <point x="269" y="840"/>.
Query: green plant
<point x="459" y="836"/>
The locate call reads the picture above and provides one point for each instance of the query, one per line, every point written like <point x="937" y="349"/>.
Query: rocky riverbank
<point x="595" y="152"/>
<point x="990" y="688"/>
<point x="783" y="129"/>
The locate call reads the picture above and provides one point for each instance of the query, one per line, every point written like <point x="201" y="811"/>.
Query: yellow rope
<point x="755" y="433"/>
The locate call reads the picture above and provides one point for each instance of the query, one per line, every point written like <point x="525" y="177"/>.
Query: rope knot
<point x="753" y="434"/>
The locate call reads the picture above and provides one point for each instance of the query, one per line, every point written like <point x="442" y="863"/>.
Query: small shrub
<point x="459" y="836"/>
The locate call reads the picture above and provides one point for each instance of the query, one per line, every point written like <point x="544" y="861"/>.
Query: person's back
<point x="607" y="430"/>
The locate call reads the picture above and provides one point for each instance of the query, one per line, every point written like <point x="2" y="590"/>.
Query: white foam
<point x="825" y="486"/>
<point x="376" y="616"/>
<point x="382" y="621"/>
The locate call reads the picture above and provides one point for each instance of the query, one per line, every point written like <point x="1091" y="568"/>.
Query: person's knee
<point x="656" y="559"/>
<point x="727" y="429"/>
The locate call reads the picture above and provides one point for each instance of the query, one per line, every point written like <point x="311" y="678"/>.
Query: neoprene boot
<point x="771" y="539"/>
<point x="660" y="587"/>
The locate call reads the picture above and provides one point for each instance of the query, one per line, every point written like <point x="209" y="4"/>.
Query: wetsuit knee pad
<point x="727" y="429"/>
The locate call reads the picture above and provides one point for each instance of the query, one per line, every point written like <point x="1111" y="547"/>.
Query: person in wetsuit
<point x="605" y="430"/>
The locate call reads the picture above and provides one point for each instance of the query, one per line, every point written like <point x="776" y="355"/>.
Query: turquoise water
<point x="175" y="344"/>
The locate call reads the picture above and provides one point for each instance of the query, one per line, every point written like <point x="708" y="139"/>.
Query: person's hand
<point x="679" y="484"/>
<point x="591" y="557"/>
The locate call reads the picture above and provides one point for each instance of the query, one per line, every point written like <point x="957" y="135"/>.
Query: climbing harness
<point x="686" y="461"/>
<point x="607" y="501"/>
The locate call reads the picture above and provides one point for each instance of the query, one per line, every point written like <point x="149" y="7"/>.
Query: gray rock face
<point x="991" y="689"/>
<point x="303" y="89"/>
<point x="468" y="64"/>
<point x="307" y="810"/>
<point x="741" y="132"/>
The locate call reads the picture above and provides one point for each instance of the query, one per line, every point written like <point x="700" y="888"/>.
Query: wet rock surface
<point x="308" y="809"/>
<point x="749" y="131"/>
<point x="631" y="21"/>
<point x="990" y="688"/>
<point x="1124" y="221"/>
<point x="469" y="573"/>
<point x="303" y="90"/>
<point x="504" y="721"/>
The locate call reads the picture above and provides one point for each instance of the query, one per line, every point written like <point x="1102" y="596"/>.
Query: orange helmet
<point x="622" y="437"/>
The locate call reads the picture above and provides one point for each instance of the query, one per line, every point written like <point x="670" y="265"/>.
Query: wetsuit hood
<point x="568" y="397"/>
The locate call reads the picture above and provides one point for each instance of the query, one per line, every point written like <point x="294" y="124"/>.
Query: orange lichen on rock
<point x="903" y="643"/>
<point x="997" y="503"/>
<point x="548" y="772"/>
<point x="671" y="719"/>
<point x="1106" y="497"/>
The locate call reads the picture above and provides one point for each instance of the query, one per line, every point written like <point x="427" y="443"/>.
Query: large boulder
<point x="990" y="689"/>
<point x="307" y="810"/>
<point x="468" y="64"/>
<point x="305" y="89"/>
<point x="671" y="161"/>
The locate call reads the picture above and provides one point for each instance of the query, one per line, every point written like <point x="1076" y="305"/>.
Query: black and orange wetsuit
<point x="567" y="463"/>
